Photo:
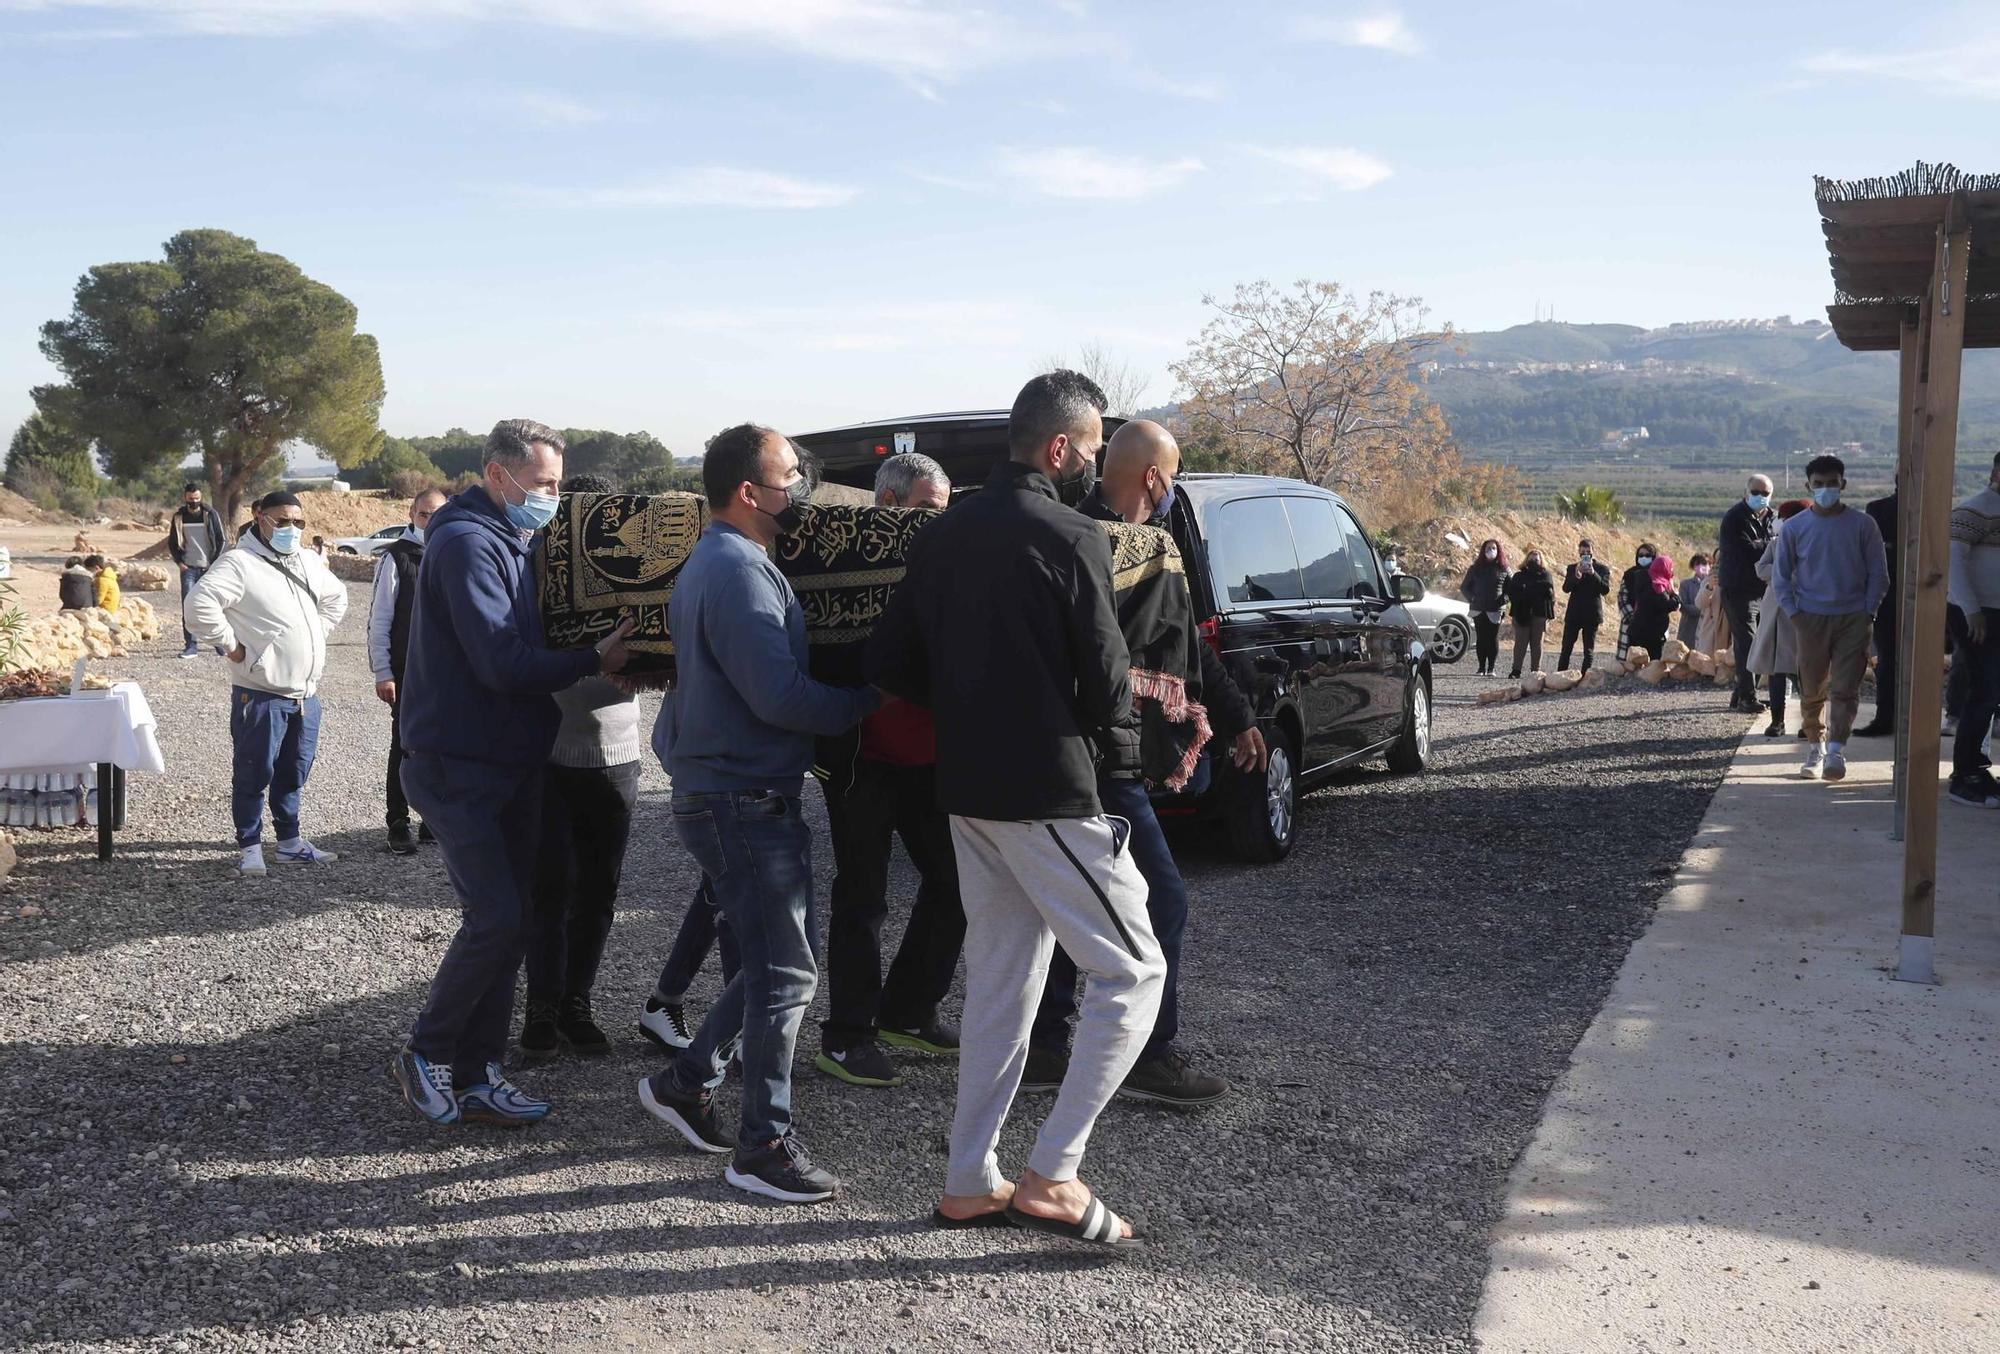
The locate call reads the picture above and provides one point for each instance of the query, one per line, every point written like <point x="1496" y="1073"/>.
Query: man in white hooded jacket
<point x="268" y="605"/>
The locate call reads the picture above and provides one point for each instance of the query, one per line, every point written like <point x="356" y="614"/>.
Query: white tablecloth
<point x="62" y="733"/>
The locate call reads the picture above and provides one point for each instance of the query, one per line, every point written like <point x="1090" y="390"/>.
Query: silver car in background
<point x="1444" y="624"/>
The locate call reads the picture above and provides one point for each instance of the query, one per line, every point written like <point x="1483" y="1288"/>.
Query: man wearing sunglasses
<point x="267" y="605"/>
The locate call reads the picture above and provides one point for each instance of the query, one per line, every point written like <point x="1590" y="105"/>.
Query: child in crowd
<point x="1691" y="586"/>
<point x="105" y="587"/>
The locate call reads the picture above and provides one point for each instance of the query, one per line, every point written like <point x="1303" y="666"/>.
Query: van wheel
<point x="1263" y="817"/>
<point x="1412" y="750"/>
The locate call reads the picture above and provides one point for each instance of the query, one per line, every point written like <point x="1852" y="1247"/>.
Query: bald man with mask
<point x="1136" y="485"/>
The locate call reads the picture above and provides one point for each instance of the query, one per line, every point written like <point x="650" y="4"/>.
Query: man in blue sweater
<point x="737" y="735"/>
<point x="478" y="720"/>
<point x="1830" y="575"/>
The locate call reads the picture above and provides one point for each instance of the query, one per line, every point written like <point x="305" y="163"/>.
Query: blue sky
<point x="677" y="214"/>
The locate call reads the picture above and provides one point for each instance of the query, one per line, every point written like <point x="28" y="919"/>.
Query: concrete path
<point x="1764" y="1142"/>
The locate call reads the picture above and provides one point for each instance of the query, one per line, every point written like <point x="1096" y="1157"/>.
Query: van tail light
<point x="1210" y="631"/>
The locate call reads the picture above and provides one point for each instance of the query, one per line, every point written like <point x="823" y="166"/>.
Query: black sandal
<point x="1098" y="1225"/>
<point x="992" y="1217"/>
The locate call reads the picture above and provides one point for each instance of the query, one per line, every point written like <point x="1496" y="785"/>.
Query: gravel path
<point x="202" y="1151"/>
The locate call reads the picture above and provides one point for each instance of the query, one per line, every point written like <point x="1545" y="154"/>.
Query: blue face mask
<point x="535" y="510"/>
<point x="1165" y="505"/>
<point x="285" y="540"/>
<point x="1758" y="502"/>
<point x="1826" y="496"/>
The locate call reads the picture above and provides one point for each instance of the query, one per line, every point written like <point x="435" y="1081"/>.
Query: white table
<point x="114" y="729"/>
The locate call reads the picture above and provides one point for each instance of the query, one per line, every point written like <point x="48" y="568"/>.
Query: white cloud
<point x="1341" y="166"/>
<point x="1383" y="30"/>
<point x="1078" y="172"/>
<point x="717" y="186"/>
<point x="1179" y="87"/>
<point x="922" y="41"/>
<point x="1970" y="68"/>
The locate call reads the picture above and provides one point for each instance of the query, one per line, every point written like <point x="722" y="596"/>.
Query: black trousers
<point x="882" y="802"/>
<point x="1487" y="636"/>
<point x="1738" y="607"/>
<point x="399" y="803"/>
<point x="586" y="821"/>
<point x="1885" y="659"/>
<point x="1578" y="627"/>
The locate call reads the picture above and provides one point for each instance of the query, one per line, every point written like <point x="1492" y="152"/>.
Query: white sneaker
<point x="299" y="851"/>
<point x="252" y="862"/>
<point x="1815" y="755"/>
<point x="1836" y="763"/>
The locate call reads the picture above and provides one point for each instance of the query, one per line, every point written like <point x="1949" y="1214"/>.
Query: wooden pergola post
<point x="1936" y="428"/>
<point x="1908" y="498"/>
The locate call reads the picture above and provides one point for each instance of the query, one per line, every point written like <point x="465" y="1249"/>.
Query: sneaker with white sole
<point x="497" y="1100"/>
<point x="1815" y="757"/>
<point x="665" y="1023"/>
<point x="691" y="1113"/>
<point x="781" y="1170"/>
<point x="426" y="1085"/>
<point x="1978" y="791"/>
<point x="299" y="851"/>
<point x="252" y="861"/>
<point x="1835" y="766"/>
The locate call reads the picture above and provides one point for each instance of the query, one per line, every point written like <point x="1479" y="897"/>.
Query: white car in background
<point x="372" y="544"/>
<point x="1444" y="624"/>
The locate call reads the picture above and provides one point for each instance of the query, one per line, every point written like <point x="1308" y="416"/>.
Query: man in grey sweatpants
<point x="1006" y="628"/>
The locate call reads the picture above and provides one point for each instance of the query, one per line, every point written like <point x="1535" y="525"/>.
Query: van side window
<point x="1366" y="566"/>
<point x="1250" y="550"/>
<point x="1329" y="570"/>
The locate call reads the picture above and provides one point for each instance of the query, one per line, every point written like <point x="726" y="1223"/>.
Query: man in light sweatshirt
<point x="736" y="735"/>
<point x="592" y="785"/>
<point x="1830" y="575"/>
<point x="267" y="605"/>
<point x="1974" y="590"/>
<point x="389" y="610"/>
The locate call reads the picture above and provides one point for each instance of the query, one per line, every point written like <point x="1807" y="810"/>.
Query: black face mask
<point x="797" y="494"/>
<point x="192" y="511"/>
<point x="1075" y="487"/>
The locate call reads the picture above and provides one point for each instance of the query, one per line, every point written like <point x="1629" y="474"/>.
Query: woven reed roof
<point x="1881" y="235"/>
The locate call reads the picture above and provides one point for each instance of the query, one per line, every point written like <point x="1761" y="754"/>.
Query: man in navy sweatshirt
<point x="478" y="720"/>
<point x="736" y="735"/>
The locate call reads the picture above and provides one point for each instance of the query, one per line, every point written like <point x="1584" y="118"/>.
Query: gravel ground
<point x="203" y="1151"/>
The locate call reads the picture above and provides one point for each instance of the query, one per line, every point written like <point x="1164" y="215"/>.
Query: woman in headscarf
<point x="1653" y="606"/>
<point x="1631" y="583"/>
<point x="1531" y="596"/>
<point x="1484" y="588"/>
<point x="1774" y="647"/>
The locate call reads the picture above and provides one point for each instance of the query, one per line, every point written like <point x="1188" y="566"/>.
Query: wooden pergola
<point x="1916" y="271"/>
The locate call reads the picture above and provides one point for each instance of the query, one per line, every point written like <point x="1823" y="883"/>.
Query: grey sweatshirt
<point x="743" y="711"/>
<point x="1830" y="564"/>
<point x="600" y="725"/>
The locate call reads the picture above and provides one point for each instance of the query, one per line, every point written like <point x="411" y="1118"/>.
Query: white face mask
<point x="1491" y="553"/>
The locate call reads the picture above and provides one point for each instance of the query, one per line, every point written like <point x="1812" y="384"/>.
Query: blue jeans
<point x="1166" y="906"/>
<point x="756" y="850"/>
<point x="275" y="738"/>
<point x="189" y="577"/>
<point x="702" y="929"/>
<point x="488" y="822"/>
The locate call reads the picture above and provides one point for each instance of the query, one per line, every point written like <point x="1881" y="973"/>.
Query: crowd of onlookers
<point x="1039" y="856"/>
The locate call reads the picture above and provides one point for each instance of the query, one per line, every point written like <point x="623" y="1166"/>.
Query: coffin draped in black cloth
<point x="612" y="555"/>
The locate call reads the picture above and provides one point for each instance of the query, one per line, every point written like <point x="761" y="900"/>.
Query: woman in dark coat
<point x="1484" y="588"/>
<point x="1531" y="596"/>
<point x="1630" y="584"/>
<point x="1653" y="607"/>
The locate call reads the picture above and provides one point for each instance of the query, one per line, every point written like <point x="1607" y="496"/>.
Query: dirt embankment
<point x="327" y="514"/>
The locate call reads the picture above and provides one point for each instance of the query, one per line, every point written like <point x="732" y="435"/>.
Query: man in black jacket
<point x="389" y="609"/>
<point x="1746" y="534"/>
<point x="194" y="539"/>
<point x="1883" y="510"/>
<point x="1588" y="583"/>
<point x="1141" y="463"/>
<point x="1006" y="628"/>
